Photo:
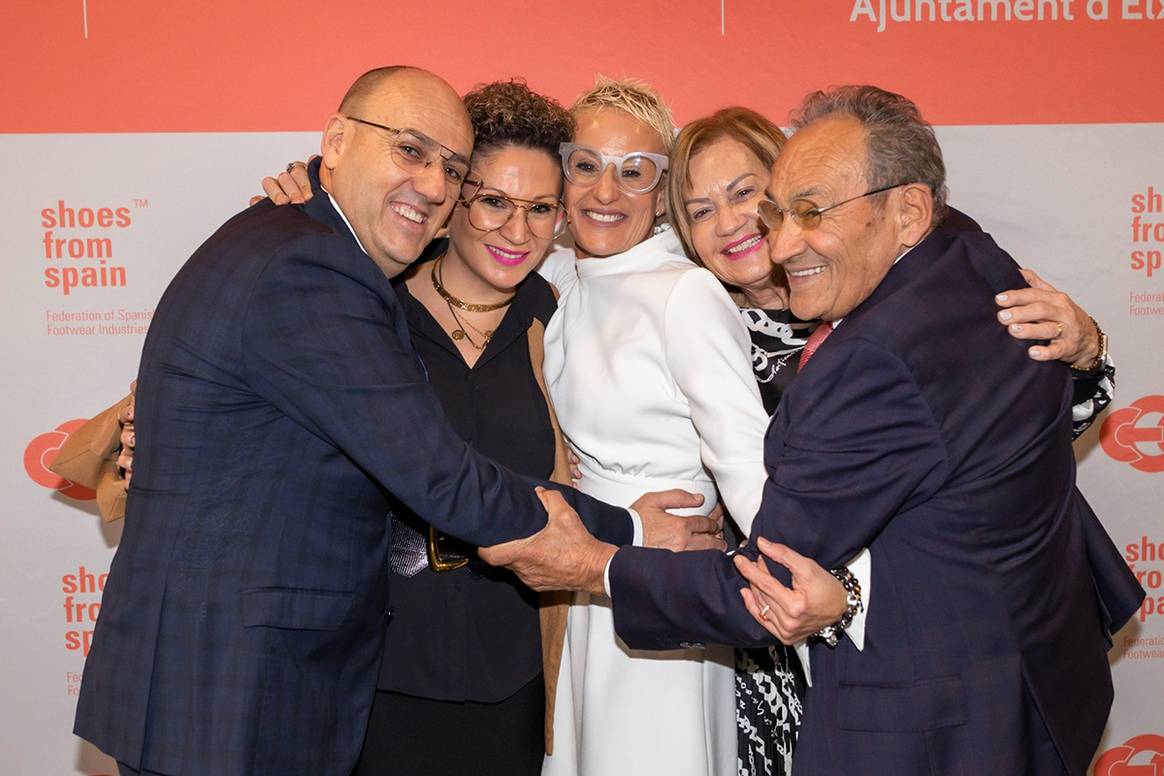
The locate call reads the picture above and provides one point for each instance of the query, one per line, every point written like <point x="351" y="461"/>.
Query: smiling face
<point x="833" y="268"/>
<point x="500" y="259"/>
<point x="394" y="213"/>
<point x="726" y="182"/>
<point x="604" y="219"/>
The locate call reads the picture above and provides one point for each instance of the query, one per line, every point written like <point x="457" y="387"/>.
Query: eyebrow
<point x="731" y="185"/>
<point x="811" y="191"/>
<point x="502" y="192"/>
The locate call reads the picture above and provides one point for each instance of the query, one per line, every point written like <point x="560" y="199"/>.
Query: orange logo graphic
<point x="1138" y="756"/>
<point x="40" y="453"/>
<point x="1125" y="430"/>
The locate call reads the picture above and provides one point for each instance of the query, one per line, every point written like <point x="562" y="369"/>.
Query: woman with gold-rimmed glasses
<point x="461" y="689"/>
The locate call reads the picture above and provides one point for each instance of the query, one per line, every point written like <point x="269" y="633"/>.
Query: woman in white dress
<point x="649" y="367"/>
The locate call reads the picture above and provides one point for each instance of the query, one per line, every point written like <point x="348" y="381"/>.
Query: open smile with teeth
<point x="409" y="212"/>
<point x="804" y="273"/>
<point x="743" y="247"/>
<point x="604" y="218"/>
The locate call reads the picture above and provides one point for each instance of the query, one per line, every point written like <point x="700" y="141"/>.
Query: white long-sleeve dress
<point x="649" y="368"/>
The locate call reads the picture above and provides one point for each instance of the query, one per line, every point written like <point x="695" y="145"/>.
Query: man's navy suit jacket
<point x="280" y="412"/>
<point x="922" y="430"/>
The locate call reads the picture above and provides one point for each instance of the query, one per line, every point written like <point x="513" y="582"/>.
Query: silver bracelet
<point x="830" y="634"/>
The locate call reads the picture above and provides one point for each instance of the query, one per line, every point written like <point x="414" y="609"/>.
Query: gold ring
<point x="1058" y="331"/>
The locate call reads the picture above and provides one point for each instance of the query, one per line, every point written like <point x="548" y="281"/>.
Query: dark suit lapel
<point x="320" y="208"/>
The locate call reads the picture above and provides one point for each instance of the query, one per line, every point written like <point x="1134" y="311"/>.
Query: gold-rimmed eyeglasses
<point x="490" y="210"/>
<point x="413" y="151"/>
<point x="804" y="213"/>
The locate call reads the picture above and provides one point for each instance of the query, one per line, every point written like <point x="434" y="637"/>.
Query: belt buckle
<point x="441" y="562"/>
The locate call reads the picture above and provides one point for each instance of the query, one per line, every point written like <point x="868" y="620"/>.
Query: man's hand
<point x="561" y="556"/>
<point x="815" y="600"/>
<point x="678" y="532"/>
<point x="1044" y="312"/>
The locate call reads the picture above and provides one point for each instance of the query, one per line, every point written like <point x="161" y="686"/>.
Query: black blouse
<point x="473" y="633"/>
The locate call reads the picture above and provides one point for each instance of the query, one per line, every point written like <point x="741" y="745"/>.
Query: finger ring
<point x="764" y="611"/>
<point x="1058" y="330"/>
<point x="291" y="166"/>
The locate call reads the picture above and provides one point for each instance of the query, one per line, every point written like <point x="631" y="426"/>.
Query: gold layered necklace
<point x="451" y="301"/>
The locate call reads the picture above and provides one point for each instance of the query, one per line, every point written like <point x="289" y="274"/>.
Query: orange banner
<point x="266" y="65"/>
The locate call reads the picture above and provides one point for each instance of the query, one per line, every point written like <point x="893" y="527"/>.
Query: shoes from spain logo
<point x="40" y="454"/>
<point x="1138" y="756"/>
<point x="79" y="246"/>
<point x="1135" y="435"/>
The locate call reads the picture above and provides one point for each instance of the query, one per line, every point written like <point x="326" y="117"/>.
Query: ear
<point x="661" y="200"/>
<point x="915" y="213"/>
<point x="334" y="141"/>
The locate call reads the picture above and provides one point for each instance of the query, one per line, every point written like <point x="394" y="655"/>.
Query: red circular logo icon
<point x="1138" y="756"/>
<point x="1135" y="435"/>
<point x="40" y="454"/>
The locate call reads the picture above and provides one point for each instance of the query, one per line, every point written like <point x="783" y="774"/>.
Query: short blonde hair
<point x="634" y="98"/>
<point x="744" y="125"/>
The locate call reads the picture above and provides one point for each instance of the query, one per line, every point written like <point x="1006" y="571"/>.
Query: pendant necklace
<point x="461" y="333"/>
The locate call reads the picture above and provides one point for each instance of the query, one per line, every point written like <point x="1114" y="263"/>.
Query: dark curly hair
<point x="508" y="113"/>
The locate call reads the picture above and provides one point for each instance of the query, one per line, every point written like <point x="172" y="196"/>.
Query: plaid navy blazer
<point x="281" y="411"/>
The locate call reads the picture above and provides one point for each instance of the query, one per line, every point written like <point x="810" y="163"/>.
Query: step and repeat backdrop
<point x="132" y="130"/>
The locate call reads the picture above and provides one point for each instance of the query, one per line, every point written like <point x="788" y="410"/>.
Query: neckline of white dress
<point x="645" y="256"/>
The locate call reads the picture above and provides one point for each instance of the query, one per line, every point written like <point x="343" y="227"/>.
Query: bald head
<point x="391" y="118"/>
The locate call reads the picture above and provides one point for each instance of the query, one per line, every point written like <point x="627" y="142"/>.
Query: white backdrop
<point x="1060" y="198"/>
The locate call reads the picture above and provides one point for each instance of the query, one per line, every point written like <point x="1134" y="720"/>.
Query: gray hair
<point x="901" y="145"/>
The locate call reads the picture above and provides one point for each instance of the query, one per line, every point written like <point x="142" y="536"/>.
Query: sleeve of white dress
<point x="560" y="269"/>
<point x="709" y="355"/>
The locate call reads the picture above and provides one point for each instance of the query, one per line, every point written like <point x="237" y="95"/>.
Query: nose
<point x="606" y="190"/>
<point x="516" y="229"/>
<point x="430" y="182"/>
<point x="727" y="221"/>
<point x="785" y="242"/>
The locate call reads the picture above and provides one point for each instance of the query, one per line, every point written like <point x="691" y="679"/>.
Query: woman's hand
<point x="128" y="437"/>
<point x="1042" y="312"/>
<point x="291" y="187"/>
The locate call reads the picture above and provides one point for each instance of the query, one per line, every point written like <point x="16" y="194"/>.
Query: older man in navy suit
<point x="920" y="430"/>
<point x="281" y="412"/>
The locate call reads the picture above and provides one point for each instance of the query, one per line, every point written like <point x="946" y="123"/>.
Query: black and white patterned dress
<point x="770" y="681"/>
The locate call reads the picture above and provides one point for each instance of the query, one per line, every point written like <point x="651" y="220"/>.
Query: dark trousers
<point x="410" y="736"/>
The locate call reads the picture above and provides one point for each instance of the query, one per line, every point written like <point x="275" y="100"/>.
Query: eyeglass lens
<point x="489" y="212"/>
<point x="636" y="173"/>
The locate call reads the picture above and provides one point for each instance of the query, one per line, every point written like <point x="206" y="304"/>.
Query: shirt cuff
<point x="861" y="566"/>
<point x="636" y="540"/>
<point x="606" y="575"/>
<point x="637" y="523"/>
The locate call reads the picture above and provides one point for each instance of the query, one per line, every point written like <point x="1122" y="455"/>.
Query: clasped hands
<point x="564" y="556"/>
